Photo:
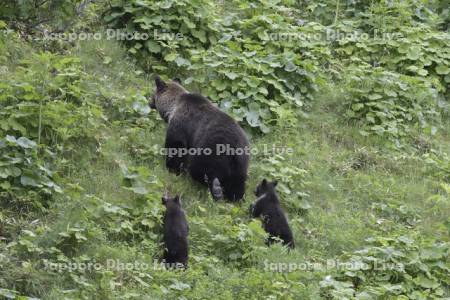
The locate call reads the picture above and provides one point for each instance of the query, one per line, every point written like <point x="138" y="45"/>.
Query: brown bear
<point x="194" y="123"/>
<point x="176" y="230"/>
<point x="267" y="207"/>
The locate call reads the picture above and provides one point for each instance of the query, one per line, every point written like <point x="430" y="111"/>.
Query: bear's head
<point x="165" y="96"/>
<point x="171" y="203"/>
<point x="265" y="187"/>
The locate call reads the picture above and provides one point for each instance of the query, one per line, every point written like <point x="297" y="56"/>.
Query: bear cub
<point x="267" y="207"/>
<point x="176" y="231"/>
<point x="219" y="159"/>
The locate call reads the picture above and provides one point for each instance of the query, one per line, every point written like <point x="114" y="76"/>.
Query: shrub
<point x="45" y="100"/>
<point x="399" y="267"/>
<point x="25" y="179"/>
<point x="387" y="103"/>
<point x="261" y="70"/>
<point x="193" y="21"/>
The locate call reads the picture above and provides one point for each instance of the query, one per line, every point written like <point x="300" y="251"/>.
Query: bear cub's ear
<point x="264" y="182"/>
<point x="160" y="84"/>
<point x="274" y="183"/>
<point x="164" y="200"/>
<point x="177" y="80"/>
<point x="177" y="199"/>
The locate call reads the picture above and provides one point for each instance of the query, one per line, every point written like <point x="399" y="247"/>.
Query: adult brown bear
<point x="194" y="123"/>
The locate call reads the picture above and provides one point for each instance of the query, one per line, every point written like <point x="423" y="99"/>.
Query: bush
<point x="32" y="13"/>
<point x="25" y="179"/>
<point x="45" y="100"/>
<point x="399" y="267"/>
<point x="172" y="28"/>
<point x="387" y="103"/>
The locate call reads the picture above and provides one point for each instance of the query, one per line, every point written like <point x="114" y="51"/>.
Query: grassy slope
<point x="346" y="174"/>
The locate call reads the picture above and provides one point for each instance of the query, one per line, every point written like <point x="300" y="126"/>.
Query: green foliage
<point x="387" y="103"/>
<point x="172" y="28"/>
<point x="398" y="267"/>
<point x="32" y="13"/>
<point x="439" y="164"/>
<point x="81" y="177"/>
<point x="24" y="177"/>
<point x="408" y="12"/>
<point x="291" y="182"/>
<point x="415" y="51"/>
<point x="228" y="240"/>
<point x="45" y="100"/>
<point x="256" y="72"/>
<point x="257" y="78"/>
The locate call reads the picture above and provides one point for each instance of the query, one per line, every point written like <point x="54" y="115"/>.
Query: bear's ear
<point x="160" y="84"/>
<point x="177" y="199"/>
<point x="177" y="80"/>
<point x="274" y="183"/>
<point x="164" y="200"/>
<point x="264" y="182"/>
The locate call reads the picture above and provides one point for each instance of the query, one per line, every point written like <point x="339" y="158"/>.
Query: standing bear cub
<point x="267" y="206"/>
<point x="176" y="231"/>
<point x="197" y="135"/>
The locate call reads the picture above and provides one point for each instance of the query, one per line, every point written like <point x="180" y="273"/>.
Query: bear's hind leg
<point x="234" y="187"/>
<point x="216" y="189"/>
<point x="175" y="153"/>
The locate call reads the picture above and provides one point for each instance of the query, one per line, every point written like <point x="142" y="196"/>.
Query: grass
<point x="340" y="220"/>
<point x="347" y="179"/>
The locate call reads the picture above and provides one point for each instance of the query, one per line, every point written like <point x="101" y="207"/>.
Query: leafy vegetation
<point x="390" y="103"/>
<point x="174" y="28"/>
<point x="411" y="270"/>
<point x="357" y="90"/>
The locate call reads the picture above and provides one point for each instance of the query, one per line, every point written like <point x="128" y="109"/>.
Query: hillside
<point x="355" y="128"/>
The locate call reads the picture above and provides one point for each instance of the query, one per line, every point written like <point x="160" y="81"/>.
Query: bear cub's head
<point x="267" y="196"/>
<point x="165" y="96"/>
<point x="171" y="203"/>
<point x="265" y="187"/>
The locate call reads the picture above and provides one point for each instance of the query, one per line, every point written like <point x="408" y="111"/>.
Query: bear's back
<point x="206" y="124"/>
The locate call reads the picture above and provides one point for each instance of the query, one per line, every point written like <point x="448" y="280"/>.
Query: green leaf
<point x="413" y="53"/>
<point x="231" y="75"/>
<point x="375" y="96"/>
<point x="357" y="106"/>
<point x="200" y="34"/>
<point x="422" y="72"/>
<point x="290" y="67"/>
<point x="363" y="133"/>
<point x="252" y="118"/>
<point x="166" y="4"/>
<point x="442" y="70"/>
<point x="220" y="85"/>
<point x="28" y="181"/>
<point x="153" y="46"/>
<point x="11" y="139"/>
<point x="139" y="190"/>
<point x="426" y="282"/>
<point x="15" y="172"/>
<point x="182" y="62"/>
<point x="188" y="23"/>
<point x="390" y="93"/>
<point x="305" y="205"/>
<point x="5" y="185"/>
<point x="107" y="60"/>
<point x="141" y="108"/>
<point x="26" y="143"/>
<point x="170" y="57"/>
